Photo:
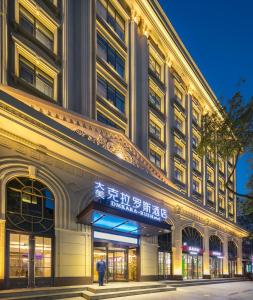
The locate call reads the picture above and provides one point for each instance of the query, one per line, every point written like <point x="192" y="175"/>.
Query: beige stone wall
<point x="73" y="253"/>
<point x="2" y="244"/>
<point x="149" y="256"/>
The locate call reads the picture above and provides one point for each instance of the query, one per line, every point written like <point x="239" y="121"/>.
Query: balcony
<point x="178" y="104"/>
<point x="179" y="158"/>
<point x="179" y="133"/>
<point x="222" y="211"/>
<point x="157" y="140"/>
<point x="210" y="204"/>
<point x="157" y="80"/>
<point x="231" y="216"/>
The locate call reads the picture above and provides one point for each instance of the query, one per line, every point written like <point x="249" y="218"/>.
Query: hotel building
<point x="100" y="116"/>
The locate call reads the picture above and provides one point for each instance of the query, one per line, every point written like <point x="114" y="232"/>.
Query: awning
<point x="102" y="216"/>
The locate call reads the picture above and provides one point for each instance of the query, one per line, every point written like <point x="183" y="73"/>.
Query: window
<point x="179" y="150"/>
<point x="209" y="175"/>
<point x="110" y="93"/>
<point x="221" y="165"/>
<point x="221" y="185"/>
<point x="154" y="99"/>
<point x="155" y="129"/>
<point x="155" y="158"/>
<point x="43" y="257"/>
<point x="178" y="96"/>
<point x="195" y="186"/>
<point x="194" y="141"/>
<point x="179" y="174"/>
<point x="103" y="119"/>
<point x="31" y="25"/>
<point x="195" y="164"/>
<point x="231" y="208"/>
<point x="179" y="123"/>
<point x="209" y="195"/>
<point x="107" y="12"/>
<point x="221" y="202"/>
<point x="195" y="116"/>
<point x="154" y="66"/>
<point x="36" y="77"/>
<point x="111" y="56"/>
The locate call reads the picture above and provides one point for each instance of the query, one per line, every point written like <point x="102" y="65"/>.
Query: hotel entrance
<point x="192" y="266"/>
<point x="121" y="263"/>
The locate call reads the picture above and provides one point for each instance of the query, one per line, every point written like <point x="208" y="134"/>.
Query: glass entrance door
<point x="192" y="266"/>
<point x="216" y="267"/>
<point x="232" y="265"/>
<point x="121" y="263"/>
<point x="30" y="260"/>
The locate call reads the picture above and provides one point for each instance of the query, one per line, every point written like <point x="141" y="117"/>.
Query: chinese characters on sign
<point x="124" y="201"/>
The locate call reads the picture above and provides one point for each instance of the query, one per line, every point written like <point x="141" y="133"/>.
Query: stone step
<point x="109" y="289"/>
<point x="51" y="296"/>
<point x="40" y="292"/>
<point x="124" y="293"/>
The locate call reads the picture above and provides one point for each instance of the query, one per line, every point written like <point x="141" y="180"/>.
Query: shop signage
<point x="127" y="202"/>
<point x="216" y="253"/>
<point x="192" y="250"/>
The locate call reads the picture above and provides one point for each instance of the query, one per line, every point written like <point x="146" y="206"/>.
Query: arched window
<point x="29" y="206"/>
<point x="192" y="237"/>
<point x="215" y="244"/>
<point x="232" y="250"/>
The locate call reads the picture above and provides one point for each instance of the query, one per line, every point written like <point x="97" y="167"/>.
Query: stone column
<point x="2" y="249"/>
<point x="239" y="257"/>
<point x="3" y="42"/>
<point x="142" y="117"/>
<point x="225" y="257"/>
<point x="133" y="63"/>
<point x="206" y="268"/>
<point x="177" y="252"/>
<point x="189" y="144"/>
<point x="216" y="176"/>
<point x="168" y="137"/>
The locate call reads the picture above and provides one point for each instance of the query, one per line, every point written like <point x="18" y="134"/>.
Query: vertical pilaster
<point x="216" y="175"/>
<point x="133" y="36"/>
<point x="189" y="144"/>
<point x="204" y="184"/>
<point x="177" y="252"/>
<point x="170" y="121"/>
<point x="142" y="102"/>
<point x="225" y="256"/>
<point x="226" y="191"/>
<point x="235" y="200"/>
<point x="206" y="268"/>
<point x="2" y="248"/>
<point x="65" y="51"/>
<point x="239" y="257"/>
<point x="167" y="108"/>
<point x="3" y="42"/>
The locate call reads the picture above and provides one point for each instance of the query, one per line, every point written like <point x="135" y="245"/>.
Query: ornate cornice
<point x="109" y="139"/>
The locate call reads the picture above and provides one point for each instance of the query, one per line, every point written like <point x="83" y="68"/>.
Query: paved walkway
<point x="221" y="291"/>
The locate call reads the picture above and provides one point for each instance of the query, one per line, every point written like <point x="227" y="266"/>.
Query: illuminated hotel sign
<point x="118" y="199"/>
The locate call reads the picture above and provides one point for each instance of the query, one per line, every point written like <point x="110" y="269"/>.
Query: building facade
<point x="101" y="109"/>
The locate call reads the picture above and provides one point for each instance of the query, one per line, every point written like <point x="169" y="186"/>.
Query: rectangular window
<point x="178" y="174"/>
<point x="155" y="158"/>
<point x="36" y="77"/>
<point x="110" y="93"/>
<point x="103" y="119"/>
<point x="221" y="185"/>
<point x="221" y="202"/>
<point x="107" y="12"/>
<point x="111" y="56"/>
<point x="155" y="129"/>
<point x="195" y="164"/>
<point x="179" y="123"/>
<point x="194" y="141"/>
<point x="19" y="255"/>
<point x="179" y="150"/>
<point x="43" y="257"/>
<point x="154" y="66"/>
<point x="195" y="116"/>
<point x="195" y="186"/>
<point x="31" y="25"/>
<point x="154" y="99"/>
<point x="178" y="96"/>
<point x="209" y="176"/>
<point x="209" y="195"/>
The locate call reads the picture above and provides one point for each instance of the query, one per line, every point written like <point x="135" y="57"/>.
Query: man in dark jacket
<point x="101" y="267"/>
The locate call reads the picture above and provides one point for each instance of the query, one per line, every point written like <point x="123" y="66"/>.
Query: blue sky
<point x="219" y="36"/>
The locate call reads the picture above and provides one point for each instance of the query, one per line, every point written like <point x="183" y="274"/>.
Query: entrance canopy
<point x="101" y="216"/>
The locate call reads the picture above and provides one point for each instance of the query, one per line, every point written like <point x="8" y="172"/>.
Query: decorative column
<point x="225" y="257"/>
<point x="177" y="252"/>
<point x="3" y="42"/>
<point x="168" y="113"/>
<point x="133" y="41"/>
<point x="2" y="249"/>
<point x="206" y="267"/>
<point x="239" y="257"/>
<point x="143" y="88"/>
<point x="189" y="144"/>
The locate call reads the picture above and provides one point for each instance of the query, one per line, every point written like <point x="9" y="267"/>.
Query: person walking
<point x="101" y="268"/>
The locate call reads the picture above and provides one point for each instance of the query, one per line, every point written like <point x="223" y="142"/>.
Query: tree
<point x="229" y="133"/>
